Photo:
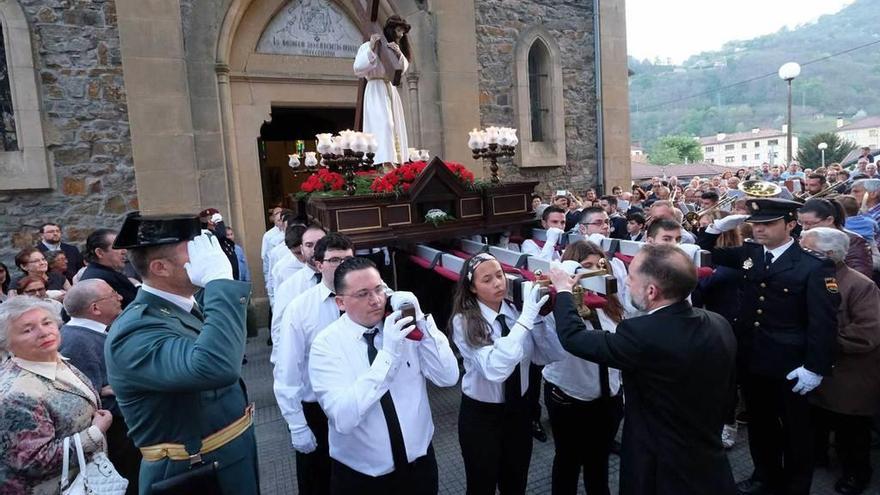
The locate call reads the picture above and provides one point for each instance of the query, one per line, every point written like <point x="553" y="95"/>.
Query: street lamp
<point x="822" y="148"/>
<point x="787" y="73"/>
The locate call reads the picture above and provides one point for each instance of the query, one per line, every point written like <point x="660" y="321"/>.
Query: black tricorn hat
<point x="771" y="209"/>
<point x="144" y="231"/>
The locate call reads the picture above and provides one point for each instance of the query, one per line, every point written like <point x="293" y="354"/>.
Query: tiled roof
<point x="646" y="171"/>
<point x="866" y="123"/>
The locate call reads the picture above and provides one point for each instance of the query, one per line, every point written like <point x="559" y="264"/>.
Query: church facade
<point x="179" y="105"/>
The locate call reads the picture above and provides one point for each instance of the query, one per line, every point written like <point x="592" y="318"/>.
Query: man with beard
<point x="678" y="366"/>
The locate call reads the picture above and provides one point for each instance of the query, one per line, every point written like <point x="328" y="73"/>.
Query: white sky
<point x="678" y="29"/>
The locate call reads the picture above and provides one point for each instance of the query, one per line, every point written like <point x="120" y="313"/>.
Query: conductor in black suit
<point x="678" y="365"/>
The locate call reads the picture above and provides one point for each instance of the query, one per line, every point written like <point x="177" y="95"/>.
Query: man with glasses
<point x="369" y="372"/>
<point x="50" y="234"/>
<point x="93" y="305"/>
<point x="594" y="220"/>
<point x="301" y="322"/>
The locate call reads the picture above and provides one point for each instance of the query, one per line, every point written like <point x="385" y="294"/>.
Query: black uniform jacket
<point x="679" y="373"/>
<point x="788" y="315"/>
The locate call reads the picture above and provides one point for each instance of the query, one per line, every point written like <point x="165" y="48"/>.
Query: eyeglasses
<point x="597" y="223"/>
<point x="337" y="259"/>
<point x="113" y="295"/>
<point x="378" y="292"/>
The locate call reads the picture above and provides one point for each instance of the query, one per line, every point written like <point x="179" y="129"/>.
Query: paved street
<point x="278" y="471"/>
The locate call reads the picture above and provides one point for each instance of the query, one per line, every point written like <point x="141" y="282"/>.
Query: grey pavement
<point x="278" y="469"/>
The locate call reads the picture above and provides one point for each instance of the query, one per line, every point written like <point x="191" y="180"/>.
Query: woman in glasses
<point x="32" y="262"/>
<point x="497" y="343"/>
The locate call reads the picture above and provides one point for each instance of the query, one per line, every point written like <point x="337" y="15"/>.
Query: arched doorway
<point x="268" y="69"/>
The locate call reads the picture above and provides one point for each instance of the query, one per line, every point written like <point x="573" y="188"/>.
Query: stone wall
<point x="85" y="118"/>
<point x="499" y="24"/>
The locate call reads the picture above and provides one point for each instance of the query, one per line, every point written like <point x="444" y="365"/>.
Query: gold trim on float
<point x="479" y="200"/>
<point x="495" y="211"/>
<point x="358" y="229"/>
<point x="408" y="214"/>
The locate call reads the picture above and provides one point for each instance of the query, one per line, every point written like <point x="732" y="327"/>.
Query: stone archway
<point x="251" y="82"/>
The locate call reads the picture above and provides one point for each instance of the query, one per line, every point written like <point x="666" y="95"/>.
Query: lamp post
<point x="787" y="73"/>
<point x="822" y="148"/>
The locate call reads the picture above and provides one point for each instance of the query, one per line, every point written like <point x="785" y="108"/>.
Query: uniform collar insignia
<point x="165" y="311"/>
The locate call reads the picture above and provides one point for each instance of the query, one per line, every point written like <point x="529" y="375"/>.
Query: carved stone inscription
<point x="314" y="28"/>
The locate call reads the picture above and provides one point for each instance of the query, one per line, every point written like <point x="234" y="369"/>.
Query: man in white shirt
<point x="553" y="220"/>
<point x="301" y="322"/>
<point x="275" y="250"/>
<point x="664" y="209"/>
<point x="664" y="231"/>
<point x="291" y="260"/>
<point x="271" y="238"/>
<point x="301" y="281"/>
<point x="369" y="375"/>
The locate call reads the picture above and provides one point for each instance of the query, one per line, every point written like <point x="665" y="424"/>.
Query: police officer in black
<point x="786" y="333"/>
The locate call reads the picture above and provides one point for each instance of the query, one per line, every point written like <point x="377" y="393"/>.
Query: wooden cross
<point x="390" y="61"/>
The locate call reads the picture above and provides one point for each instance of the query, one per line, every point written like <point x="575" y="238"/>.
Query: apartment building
<point x="747" y="149"/>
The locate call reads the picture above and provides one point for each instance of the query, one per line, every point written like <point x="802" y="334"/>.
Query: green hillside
<point x="839" y="86"/>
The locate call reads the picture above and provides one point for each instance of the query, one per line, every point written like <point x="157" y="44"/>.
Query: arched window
<point x="539" y="102"/>
<point x="24" y="163"/>
<point x="538" y="91"/>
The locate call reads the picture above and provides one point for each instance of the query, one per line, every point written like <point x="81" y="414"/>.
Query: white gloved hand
<point x="207" y="261"/>
<point x="531" y="304"/>
<point x="399" y="298"/>
<point x="394" y="331"/>
<point x="568" y="266"/>
<point x="806" y="380"/>
<point x="554" y="234"/>
<point x="216" y="218"/>
<point x="729" y="222"/>
<point x="303" y="439"/>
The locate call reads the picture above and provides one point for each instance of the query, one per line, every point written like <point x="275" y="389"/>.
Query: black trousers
<point x="126" y="458"/>
<point x="313" y="469"/>
<point x="582" y="433"/>
<point x="852" y="435"/>
<point x="417" y="478"/>
<point x="780" y="434"/>
<point x="496" y="444"/>
<point x="533" y="393"/>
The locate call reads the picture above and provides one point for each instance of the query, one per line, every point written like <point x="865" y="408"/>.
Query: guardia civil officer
<point x="786" y="333"/>
<point x="175" y="363"/>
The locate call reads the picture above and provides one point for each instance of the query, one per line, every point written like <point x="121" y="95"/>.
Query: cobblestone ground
<point x="278" y="470"/>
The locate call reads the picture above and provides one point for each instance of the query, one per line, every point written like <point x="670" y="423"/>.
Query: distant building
<point x="747" y="149"/>
<point x="864" y="132"/>
<point x="637" y="153"/>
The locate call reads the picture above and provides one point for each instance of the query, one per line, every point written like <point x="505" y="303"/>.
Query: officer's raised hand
<point x="207" y="262"/>
<point x="729" y="222"/>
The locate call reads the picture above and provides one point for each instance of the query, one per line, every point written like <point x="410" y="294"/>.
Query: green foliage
<point x="809" y="155"/>
<point x="841" y="85"/>
<point x="676" y="149"/>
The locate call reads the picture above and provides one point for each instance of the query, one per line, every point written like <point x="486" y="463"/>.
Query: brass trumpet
<point x="752" y="188"/>
<point x="821" y="194"/>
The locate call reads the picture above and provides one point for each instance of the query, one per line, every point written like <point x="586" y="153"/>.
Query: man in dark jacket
<point x="50" y="234"/>
<point x="678" y="366"/>
<point x="787" y="328"/>
<point x="107" y="263"/>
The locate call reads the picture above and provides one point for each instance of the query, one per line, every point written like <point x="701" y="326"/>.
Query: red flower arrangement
<point x="323" y="180"/>
<point x="400" y="179"/>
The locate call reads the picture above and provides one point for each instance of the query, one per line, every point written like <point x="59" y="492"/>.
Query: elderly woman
<point x="42" y="400"/>
<point x="847" y="400"/>
<point x="32" y="262"/>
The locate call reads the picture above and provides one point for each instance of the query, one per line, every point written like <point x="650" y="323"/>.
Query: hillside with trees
<point x="845" y="85"/>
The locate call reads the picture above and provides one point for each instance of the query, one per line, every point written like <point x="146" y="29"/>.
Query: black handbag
<point x="201" y="478"/>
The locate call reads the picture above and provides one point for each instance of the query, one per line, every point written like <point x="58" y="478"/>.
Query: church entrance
<point x="292" y="131"/>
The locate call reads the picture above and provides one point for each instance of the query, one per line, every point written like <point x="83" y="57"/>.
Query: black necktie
<point x="512" y="386"/>
<point x="768" y="258"/>
<point x="197" y="312"/>
<point x="318" y="277"/>
<point x="398" y="448"/>
<point x="341" y="312"/>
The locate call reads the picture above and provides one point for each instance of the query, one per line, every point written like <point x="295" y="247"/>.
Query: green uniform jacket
<point x="177" y="379"/>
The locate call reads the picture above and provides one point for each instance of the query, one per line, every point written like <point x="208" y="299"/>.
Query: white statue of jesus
<point x="383" y="111"/>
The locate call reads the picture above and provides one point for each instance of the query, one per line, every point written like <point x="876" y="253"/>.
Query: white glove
<point x="395" y="331"/>
<point x="303" y="439"/>
<point x="399" y="298"/>
<point x="568" y="266"/>
<point x="806" y="380"/>
<point x="729" y="222"/>
<point x="596" y="238"/>
<point x="216" y="218"/>
<point x="531" y="304"/>
<point x="207" y="262"/>
<point x="553" y="235"/>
